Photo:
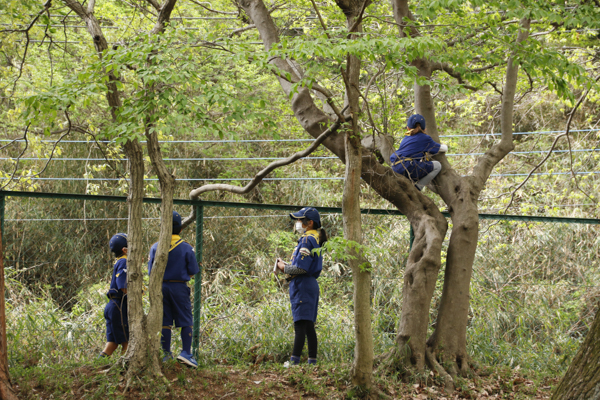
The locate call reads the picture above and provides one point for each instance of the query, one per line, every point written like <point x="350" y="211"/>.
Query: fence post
<point x="198" y="281"/>
<point x="2" y="203"/>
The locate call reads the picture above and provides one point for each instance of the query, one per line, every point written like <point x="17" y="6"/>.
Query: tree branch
<point x="154" y="4"/>
<point x="91" y="6"/>
<point x="194" y="194"/>
<point x="567" y="130"/>
<point x="359" y="18"/>
<point x="12" y="175"/>
<point x="211" y="10"/>
<point x="486" y="163"/>
<point x="320" y="19"/>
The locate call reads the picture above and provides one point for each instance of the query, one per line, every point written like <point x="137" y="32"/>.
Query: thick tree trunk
<point x="582" y="380"/>
<point x="429" y="224"/>
<point x="6" y="390"/>
<point x="448" y="344"/>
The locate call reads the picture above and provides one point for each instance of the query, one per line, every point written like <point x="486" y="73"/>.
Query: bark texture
<point x="362" y="365"/>
<point x="139" y="355"/>
<point x="582" y="380"/>
<point x="6" y="390"/>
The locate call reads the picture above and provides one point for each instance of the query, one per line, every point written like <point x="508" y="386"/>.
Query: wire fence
<point x="535" y="279"/>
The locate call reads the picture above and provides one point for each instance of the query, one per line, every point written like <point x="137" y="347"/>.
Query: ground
<point x="264" y="381"/>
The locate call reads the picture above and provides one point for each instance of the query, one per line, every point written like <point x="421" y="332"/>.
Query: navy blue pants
<point x="117" y="324"/>
<point x="177" y="305"/>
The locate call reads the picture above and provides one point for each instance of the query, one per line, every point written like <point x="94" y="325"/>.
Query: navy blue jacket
<point x="181" y="263"/>
<point x="304" y="289"/>
<point x="409" y="160"/>
<point x="118" y="280"/>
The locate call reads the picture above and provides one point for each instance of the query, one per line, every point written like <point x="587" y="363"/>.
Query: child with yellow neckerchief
<point x="304" y="269"/>
<point x="115" y="311"/>
<point x="177" y="305"/>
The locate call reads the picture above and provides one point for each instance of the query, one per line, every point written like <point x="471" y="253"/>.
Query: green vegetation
<point x="217" y="113"/>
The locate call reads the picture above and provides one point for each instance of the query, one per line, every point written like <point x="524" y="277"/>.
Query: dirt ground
<point x="271" y="381"/>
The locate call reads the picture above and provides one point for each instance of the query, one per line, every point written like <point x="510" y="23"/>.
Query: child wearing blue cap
<point x="115" y="311"/>
<point x="304" y="269"/>
<point x="412" y="158"/>
<point x="177" y="306"/>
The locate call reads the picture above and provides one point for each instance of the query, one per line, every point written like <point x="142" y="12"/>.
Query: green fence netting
<point x="534" y="287"/>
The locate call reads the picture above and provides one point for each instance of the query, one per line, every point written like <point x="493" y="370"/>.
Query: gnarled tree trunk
<point x="429" y="224"/>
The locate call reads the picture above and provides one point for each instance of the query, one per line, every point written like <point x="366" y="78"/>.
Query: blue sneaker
<point x="167" y="356"/>
<point x="187" y="359"/>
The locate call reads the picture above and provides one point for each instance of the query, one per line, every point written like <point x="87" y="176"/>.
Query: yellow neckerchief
<point x="119" y="258"/>
<point x="313" y="233"/>
<point x="175" y="241"/>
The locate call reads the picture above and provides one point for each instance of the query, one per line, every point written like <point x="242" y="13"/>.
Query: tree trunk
<point x="582" y="380"/>
<point x="6" y="390"/>
<point x="142" y="353"/>
<point x="448" y="343"/>
<point x="154" y="318"/>
<point x="362" y="366"/>
<point x="429" y="223"/>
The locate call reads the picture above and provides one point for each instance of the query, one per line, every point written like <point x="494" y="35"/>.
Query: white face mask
<point x="299" y="227"/>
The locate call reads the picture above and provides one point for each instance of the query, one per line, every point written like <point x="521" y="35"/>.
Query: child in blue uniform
<point x="412" y="158"/>
<point x="115" y="312"/>
<point x="177" y="306"/>
<point x="304" y="269"/>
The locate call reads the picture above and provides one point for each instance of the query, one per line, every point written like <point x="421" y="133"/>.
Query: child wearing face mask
<point x="304" y="269"/>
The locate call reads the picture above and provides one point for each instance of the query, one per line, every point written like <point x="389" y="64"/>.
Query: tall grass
<point x="532" y="295"/>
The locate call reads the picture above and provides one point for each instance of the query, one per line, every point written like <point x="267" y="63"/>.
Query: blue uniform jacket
<point x="181" y="263"/>
<point x="119" y="278"/>
<point x="304" y="289"/>
<point x="409" y="160"/>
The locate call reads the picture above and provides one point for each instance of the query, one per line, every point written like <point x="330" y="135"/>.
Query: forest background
<point x="534" y="289"/>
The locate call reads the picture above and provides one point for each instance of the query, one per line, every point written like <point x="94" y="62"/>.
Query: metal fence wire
<point x="535" y="279"/>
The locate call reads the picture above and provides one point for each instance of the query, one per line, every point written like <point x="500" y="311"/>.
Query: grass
<point x="530" y="309"/>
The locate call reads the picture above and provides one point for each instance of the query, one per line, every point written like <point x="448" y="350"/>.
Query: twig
<point x="244" y="29"/>
<point x="47" y="5"/>
<point x="359" y="18"/>
<point x="320" y="19"/>
<point x="567" y="130"/>
<point x="12" y="176"/>
<point x="211" y="10"/>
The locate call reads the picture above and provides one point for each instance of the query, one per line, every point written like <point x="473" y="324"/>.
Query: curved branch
<point x="47" y="5"/>
<point x="194" y="194"/>
<point x="488" y="161"/>
<point x="12" y="175"/>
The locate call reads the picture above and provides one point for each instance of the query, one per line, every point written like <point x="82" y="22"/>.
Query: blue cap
<point x="310" y="213"/>
<point x="176" y="222"/>
<point x="415" y="119"/>
<point x="118" y="242"/>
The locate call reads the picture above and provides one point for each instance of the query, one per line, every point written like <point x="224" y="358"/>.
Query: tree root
<point x="395" y="361"/>
<point x="448" y="381"/>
